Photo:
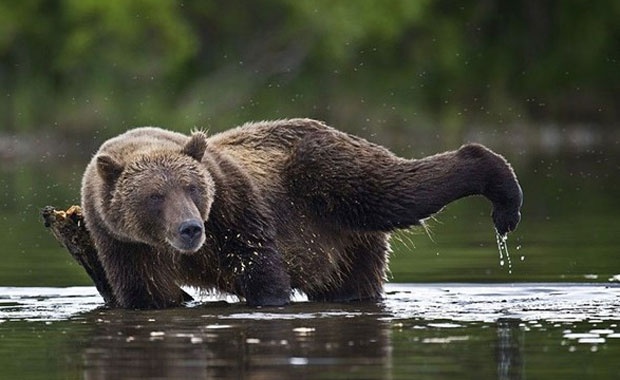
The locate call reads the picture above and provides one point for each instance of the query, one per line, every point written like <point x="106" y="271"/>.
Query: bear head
<point x="160" y="197"/>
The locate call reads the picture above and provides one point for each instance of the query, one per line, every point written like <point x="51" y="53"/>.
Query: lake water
<point x="451" y="310"/>
<point x="437" y="331"/>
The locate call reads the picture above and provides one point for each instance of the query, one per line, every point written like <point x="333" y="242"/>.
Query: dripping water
<point x="502" y="246"/>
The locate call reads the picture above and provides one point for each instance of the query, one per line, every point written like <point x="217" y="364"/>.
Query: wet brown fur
<point x="290" y="204"/>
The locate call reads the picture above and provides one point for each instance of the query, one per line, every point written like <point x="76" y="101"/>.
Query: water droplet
<point x="502" y="247"/>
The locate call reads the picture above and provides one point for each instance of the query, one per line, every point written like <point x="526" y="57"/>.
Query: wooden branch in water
<point x="68" y="228"/>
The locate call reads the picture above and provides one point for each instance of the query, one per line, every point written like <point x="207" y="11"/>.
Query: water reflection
<point x="435" y="331"/>
<point x="223" y="341"/>
<point x="509" y="349"/>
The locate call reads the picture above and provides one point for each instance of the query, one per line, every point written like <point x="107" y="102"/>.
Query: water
<point x="502" y="247"/>
<point x="436" y="331"/>
<point x="451" y="311"/>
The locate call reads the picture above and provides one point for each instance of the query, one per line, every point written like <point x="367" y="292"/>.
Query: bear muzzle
<point x="189" y="236"/>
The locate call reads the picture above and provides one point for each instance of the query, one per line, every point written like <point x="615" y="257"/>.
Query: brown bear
<point x="269" y="207"/>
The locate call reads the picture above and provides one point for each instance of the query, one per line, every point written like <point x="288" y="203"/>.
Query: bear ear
<point x="109" y="169"/>
<point x="196" y="146"/>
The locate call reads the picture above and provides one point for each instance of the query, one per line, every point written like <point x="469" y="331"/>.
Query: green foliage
<point x="84" y="65"/>
<point x="341" y="28"/>
<point x="125" y="36"/>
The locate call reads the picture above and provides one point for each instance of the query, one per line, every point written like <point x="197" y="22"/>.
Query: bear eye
<point x="192" y="189"/>
<point x="156" y="197"/>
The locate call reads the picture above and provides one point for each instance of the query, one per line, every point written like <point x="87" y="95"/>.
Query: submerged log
<point x="68" y="228"/>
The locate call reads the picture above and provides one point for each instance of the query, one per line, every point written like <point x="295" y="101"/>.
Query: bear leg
<point x="263" y="279"/>
<point x="140" y="278"/>
<point x="353" y="183"/>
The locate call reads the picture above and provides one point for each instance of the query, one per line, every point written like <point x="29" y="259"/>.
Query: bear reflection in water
<point x="187" y="345"/>
<point x="217" y="340"/>
<point x="269" y="207"/>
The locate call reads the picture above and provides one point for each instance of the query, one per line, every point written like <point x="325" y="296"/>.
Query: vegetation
<point x="86" y="65"/>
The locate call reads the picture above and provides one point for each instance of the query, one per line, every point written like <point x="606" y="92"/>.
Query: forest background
<point x="429" y="68"/>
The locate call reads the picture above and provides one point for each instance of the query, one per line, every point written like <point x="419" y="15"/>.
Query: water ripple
<point x="552" y="302"/>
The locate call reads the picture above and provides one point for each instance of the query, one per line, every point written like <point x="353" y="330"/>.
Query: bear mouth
<point x="187" y="246"/>
<point x="189" y="236"/>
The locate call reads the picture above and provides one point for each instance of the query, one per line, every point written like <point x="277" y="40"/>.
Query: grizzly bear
<point x="269" y="207"/>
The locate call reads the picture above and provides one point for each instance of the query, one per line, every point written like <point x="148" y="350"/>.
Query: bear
<point x="267" y="208"/>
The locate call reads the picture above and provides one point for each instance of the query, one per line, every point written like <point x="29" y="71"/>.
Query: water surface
<point x="452" y="311"/>
<point x="506" y="331"/>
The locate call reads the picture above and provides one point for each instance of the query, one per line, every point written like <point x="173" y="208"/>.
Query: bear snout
<point x="190" y="236"/>
<point x="190" y="229"/>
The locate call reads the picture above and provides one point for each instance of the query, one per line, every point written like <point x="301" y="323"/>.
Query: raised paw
<point x="506" y="219"/>
<point x="507" y="213"/>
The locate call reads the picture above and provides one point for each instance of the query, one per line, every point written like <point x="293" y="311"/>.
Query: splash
<point x="502" y="246"/>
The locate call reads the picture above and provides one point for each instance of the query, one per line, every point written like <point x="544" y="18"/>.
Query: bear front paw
<point x="507" y="198"/>
<point x="505" y="219"/>
<point x="271" y="300"/>
<point x="268" y="293"/>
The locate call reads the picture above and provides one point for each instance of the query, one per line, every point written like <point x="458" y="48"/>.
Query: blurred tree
<point x="81" y="65"/>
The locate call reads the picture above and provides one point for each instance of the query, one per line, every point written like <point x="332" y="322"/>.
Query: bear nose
<point x="190" y="229"/>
